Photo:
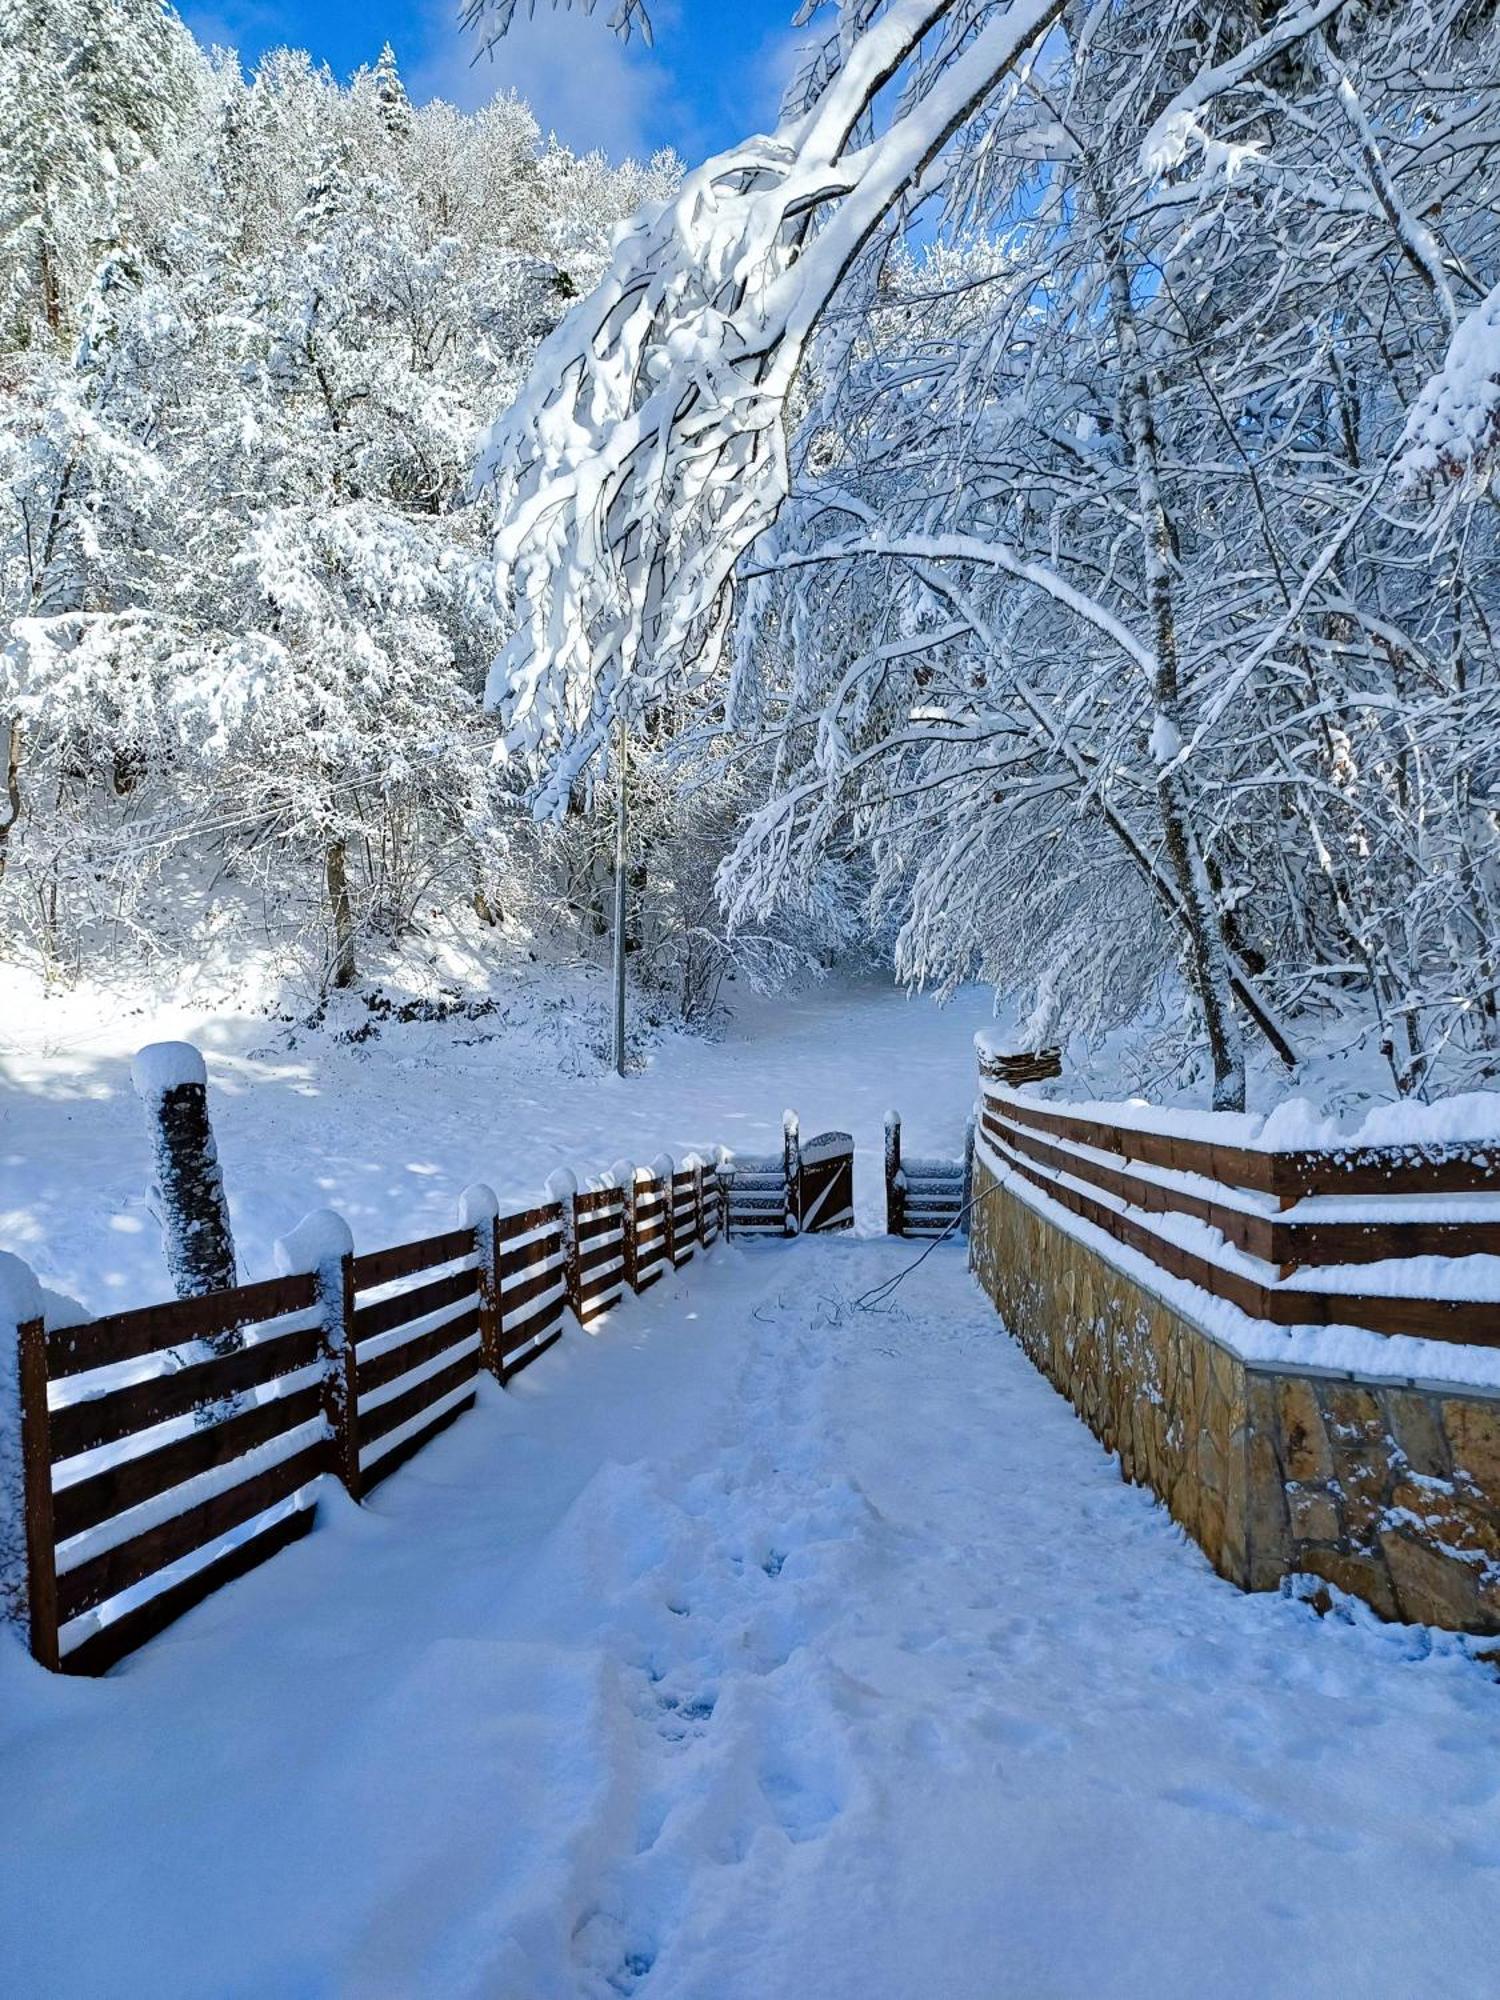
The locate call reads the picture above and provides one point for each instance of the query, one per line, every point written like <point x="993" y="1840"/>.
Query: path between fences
<point x="149" y="1457"/>
<point x="762" y="1645"/>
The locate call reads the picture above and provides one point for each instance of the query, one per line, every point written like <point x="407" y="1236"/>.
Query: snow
<point x="164" y="1066"/>
<point x="319" y="1240"/>
<point x="1454" y="425"/>
<point x="20" y="1294"/>
<point x="390" y="1131"/>
<point x="477" y="1205"/>
<point x="677" y="1670"/>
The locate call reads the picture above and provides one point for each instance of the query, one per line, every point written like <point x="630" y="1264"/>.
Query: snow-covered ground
<point x="389" y="1129"/>
<point x="762" y="1645"/>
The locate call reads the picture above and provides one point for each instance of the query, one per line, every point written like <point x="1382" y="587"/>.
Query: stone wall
<point x="1389" y="1492"/>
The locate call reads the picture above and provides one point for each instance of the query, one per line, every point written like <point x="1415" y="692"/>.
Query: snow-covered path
<point x="389" y="1131"/>
<point x="760" y="1646"/>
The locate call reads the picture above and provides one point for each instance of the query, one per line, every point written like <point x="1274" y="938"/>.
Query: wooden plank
<point x="390" y="1416"/>
<point x="104" y="1576"/>
<point x="1439" y="1168"/>
<point x="514" y="1298"/>
<point x="1254" y="1234"/>
<point x="1283" y="1241"/>
<point x="126" y="1336"/>
<point x="520" y="1361"/>
<point x="1434" y="1169"/>
<point x="404" y="1260"/>
<point x="525" y="1330"/>
<point x="513" y="1263"/>
<point x="1466" y="1322"/>
<point x="119" y="1413"/>
<point x="392" y="1460"/>
<point x="609" y="1250"/>
<point x="384" y="1315"/>
<point x="102" y="1649"/>
<point x="594" y="1202"/>
<point x="119" y="1487"/>
<point x="530" y="1218"/>
<point x="397" y="1361"/>
<point x="1238" y="1165"/>
<point x="610" y="1222"/>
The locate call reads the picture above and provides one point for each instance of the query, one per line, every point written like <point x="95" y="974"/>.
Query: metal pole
<point x="620" y="818"/>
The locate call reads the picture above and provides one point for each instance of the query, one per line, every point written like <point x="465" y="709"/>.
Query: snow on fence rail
<point x="149" y="1457"/>
<point x="1389" y="1238"/>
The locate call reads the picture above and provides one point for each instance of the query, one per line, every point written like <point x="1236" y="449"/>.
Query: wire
<point x="876" y="1297"/>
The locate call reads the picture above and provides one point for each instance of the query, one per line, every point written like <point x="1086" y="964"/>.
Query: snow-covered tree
<point x="1098" y="611"/>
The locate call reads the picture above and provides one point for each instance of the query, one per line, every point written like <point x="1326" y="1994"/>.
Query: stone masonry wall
<point x="1389" y="1493"/>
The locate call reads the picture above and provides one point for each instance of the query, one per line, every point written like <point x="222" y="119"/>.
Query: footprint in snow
<point x="678" y="1718"/>
<point x="802" y="1811"/>
<point x="631" y="1970"/>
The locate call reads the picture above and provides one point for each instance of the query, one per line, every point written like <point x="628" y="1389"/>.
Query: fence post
<point x="622" y="1173"/>
<point x="895" y="1183"/>
<point x="723" y="1167"/>
<point x="562" y="1187"/>
<point x="663" y="1167"/>
<point x="322" y="1245"/>
<point x="968" y="1191"/>
<point x="698" y="1214"/>
<point x="28" y="1549"/>
<point x="479" y="1210"/>
<point x="172" y="1084"/>
<point x="791" y="1160"/>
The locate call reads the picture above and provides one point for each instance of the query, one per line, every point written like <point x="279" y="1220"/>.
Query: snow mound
<point x="164" y="1066"/>
<point x="320" y="1239"/>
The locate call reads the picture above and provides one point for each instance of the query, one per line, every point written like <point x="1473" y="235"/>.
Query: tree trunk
<point x="12" y="791"/>
<point x="336" y="874"/>
<point x="1210" y="955"/>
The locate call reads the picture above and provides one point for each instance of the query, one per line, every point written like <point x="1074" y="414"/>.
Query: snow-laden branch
<point x="1166" y="142"/>
<point x="647" y="452"/>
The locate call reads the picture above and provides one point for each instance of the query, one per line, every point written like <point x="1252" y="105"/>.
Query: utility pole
<point x="620" y="827"/>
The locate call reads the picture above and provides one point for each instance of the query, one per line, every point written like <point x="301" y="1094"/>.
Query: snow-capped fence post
<point x="622" y="1173"/>
<point x="479" y="1210"/>
<point x="28" y="1560"/>
<point x="968" y="1193"/>
<point x="562" y="1187"/>
<point x="322" y="1245"/>
<point x="723" y="1168"/>
<point x="188" y="1186"/>
<point x="698" y="1214"/>
<point x="895" y="1184"/>
<point x="664" y="1168"/>
<point x="791" y="1159"/>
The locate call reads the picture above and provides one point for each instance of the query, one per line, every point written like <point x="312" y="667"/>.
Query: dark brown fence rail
<point x="1118" y="1177"/>
<point x="165" y="1450"/>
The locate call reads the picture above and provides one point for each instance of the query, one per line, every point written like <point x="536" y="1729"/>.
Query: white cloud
<point x="580" y="80"/>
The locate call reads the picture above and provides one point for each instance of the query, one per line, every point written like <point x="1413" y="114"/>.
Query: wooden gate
<point x="825" y="1186"/>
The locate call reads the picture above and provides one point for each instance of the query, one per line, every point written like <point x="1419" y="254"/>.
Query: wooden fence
<point x="1267" y="1204"/>
<point x="165" y="1450"/>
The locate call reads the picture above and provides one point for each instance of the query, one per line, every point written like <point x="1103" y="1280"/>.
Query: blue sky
<point x="715" y="73"/>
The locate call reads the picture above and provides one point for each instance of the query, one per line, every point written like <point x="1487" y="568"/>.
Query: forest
<point x="1093" y="594"/>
